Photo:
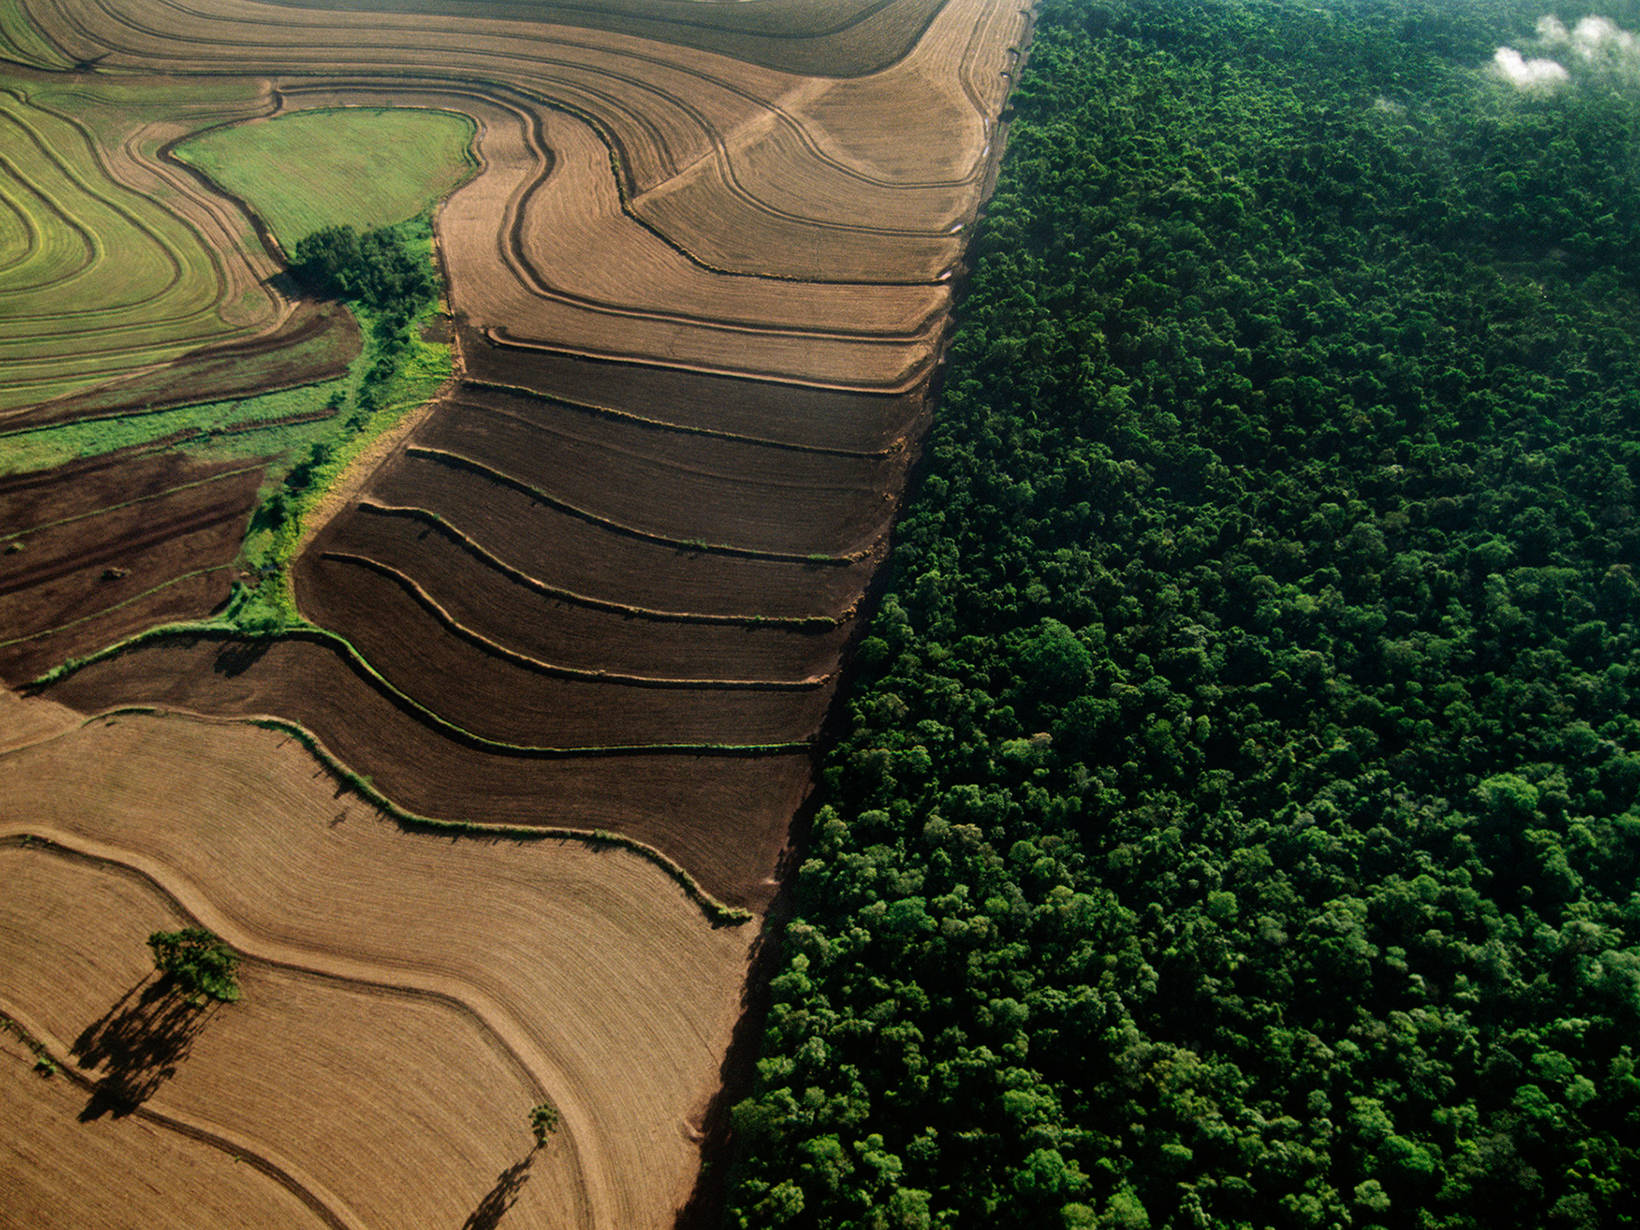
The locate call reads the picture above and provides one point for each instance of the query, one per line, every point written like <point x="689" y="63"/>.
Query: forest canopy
<point x="1235" y="822"/>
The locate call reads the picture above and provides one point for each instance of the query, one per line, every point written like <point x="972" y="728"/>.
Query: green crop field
<point x="337" y="166"/>
<point x="22" y="43"/>
<point x="97" y="279"/>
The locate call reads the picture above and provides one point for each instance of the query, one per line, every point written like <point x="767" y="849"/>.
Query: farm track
<point x="606" y="584"/>
<point x="300" y="877"/>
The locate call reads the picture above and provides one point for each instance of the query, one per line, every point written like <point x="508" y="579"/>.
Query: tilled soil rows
<point x="605" y="586"/>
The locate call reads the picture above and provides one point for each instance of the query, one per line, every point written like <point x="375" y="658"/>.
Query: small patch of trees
<point x="198" y="961"/>
<point x="543" y="1121"/>
<point x="376" y="268"/>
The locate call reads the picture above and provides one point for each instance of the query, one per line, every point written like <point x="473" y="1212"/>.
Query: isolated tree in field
<point x="543" y="1121"/>
<point x="199" y="962"/>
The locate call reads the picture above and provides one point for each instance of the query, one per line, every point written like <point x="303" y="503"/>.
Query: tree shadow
<point x="237" y="657"/>
<point x="139" y="1043"/>
<point x="501" y="1197"/>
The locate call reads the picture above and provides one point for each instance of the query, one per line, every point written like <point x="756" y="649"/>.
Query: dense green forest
<point x="1235" y="818"/>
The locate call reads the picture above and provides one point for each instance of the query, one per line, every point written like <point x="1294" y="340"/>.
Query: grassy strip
<point x="54" y="444"/>
<point x="73" y="623"/>
<point x="397" y="372"/>
<point x="460" y="462"/>
<point x="683" y="429"/>
<point x="44" y="1064"/>
<point x="223" y="629"/>
<point x="804" y="623"/>
<point x="524" y="661"/>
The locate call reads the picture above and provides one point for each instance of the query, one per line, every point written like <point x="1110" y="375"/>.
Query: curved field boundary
<point x="684" y="429"/>
<point x="143" y="499"/>
<point x="477" y="639"/>
<point x="717" y="912"/>
<point x="162" y="298"/>
<point x="804" y="623"/>
<point x="402" y="701"/>
<point x="910" y="377"/>
<point x="108" y="610"/>
<point x="460" y="462"/>
<point x="801" y="36"/>
<point x="191" y="902"/>
<point x="323" y="1204"/>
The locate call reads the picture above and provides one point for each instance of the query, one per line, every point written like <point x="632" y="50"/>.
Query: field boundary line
<point x="141" y="499"/>
<point x="540" y="666"/>
<point x="460" y="461"/>
<point x="803" y="623"/>
<point x="717" y="912"/>
<point x="211" y="1136"/>
<point x="74" y="623"/>
<point x="715" y="433"/>
<point x="189" y="898"/>
<point x="223" y="631"/>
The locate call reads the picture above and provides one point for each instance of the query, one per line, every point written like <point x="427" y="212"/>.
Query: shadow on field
<point x="139" y="1042"/>
<point x="237" y="657"/>
<point x="501" y="1197"/>
<point x="705" y="1207"/>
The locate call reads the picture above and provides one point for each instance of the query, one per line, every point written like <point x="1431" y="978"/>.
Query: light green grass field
<point x="95" y="279"/>
<point x="22" y="43"/>
<point x="362" y="167"/>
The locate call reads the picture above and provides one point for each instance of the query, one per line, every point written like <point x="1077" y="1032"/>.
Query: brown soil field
<point x="567" y="551"/>
<point x="45" y="1156"/>
<point x="834" y="38"/>
<point x="722" y="815"/>
<point x="503" y="698"/>
<point x="98" y="550"/>
<point x="690" y="487"/>
<point x="586" y="972"/>
<point x="698" y="288"/>
<point x="478" y="592"/>
<point x="760" y="410"/>
<point x="305" y="1075"/>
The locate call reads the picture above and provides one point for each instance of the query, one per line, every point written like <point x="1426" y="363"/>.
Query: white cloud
<point x="1595" y="35"/>
<point x="1526" y="74"/>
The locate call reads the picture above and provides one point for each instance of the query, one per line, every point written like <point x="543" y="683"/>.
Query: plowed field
<point x="604" y="586"/>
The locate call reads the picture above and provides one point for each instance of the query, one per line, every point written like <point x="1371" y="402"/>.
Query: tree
<point x="197" y="961"/>
<point x="543" y="1121"/>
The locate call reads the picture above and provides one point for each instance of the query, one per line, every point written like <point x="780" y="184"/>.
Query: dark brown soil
<point x="723" y="816"/>
<point x="123" y="543"/>
<point x="575" y="633"/>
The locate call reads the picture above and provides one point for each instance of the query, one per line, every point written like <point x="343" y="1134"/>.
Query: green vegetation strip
<point x="473" y="637"/>
<point x="460" y="462"/>
<point x="807" y="623"/>
<point x="716" y="911"/>
<point x="225" y="630"/>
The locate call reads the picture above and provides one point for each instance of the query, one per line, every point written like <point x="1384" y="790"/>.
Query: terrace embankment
<point x="530" y="969"/>
<point x="606" y="583"/>
<point x="93" y="551"/>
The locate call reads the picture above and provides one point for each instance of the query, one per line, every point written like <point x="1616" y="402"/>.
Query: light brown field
<point x="699" y="286"/>
<point x="390" y="1042"/>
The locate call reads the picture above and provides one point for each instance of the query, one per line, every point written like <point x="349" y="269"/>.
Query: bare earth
<point x="606" y="582"/>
